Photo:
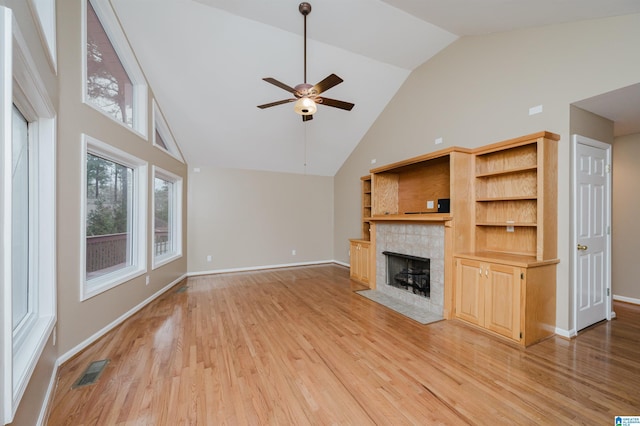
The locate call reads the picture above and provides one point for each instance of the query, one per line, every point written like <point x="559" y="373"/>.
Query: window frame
<point x="160" y="125"/>
<point x="97" y="285"/>
<point x="45" y="13"/>
<point x="176" y="219"/>
<point x="21" y="84"/>
<point x="125" y="54"/>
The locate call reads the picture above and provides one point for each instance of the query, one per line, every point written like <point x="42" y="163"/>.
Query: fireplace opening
<point x="410" y="273"/>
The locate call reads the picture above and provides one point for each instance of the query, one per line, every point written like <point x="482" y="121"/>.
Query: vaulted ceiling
<point x="205" y="60"/>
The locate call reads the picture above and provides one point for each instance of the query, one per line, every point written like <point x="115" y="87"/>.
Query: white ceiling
<point x="205" y="60"/>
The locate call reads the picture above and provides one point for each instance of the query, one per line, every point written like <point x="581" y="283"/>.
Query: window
<point x="114" y="83"/>
<point x="167" y="217"/>
<point x="27" y="215"/>
<point x="162" y="137"/>
<point x="45" y="11"/>
<point x="21" y="229"/>
<point x="115" y="212"/>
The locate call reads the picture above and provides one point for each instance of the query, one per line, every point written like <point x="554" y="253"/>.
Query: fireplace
<point x="410" y="273"/>
<point x="421" y="240"/>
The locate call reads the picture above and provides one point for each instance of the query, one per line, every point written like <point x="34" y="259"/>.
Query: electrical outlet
<point x="209" y="258"/>
<point x="438" y="141"/>
<point x="146" y="281"/>
<point x="293" y="252"/>
<point x="430" y="204"/>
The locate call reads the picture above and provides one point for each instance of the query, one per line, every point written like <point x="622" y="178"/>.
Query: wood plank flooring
<point x="299" y="346"/>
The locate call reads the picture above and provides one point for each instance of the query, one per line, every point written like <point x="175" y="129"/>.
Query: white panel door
<point x="592" y="210"/>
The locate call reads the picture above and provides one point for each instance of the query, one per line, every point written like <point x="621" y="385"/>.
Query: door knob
<point x="581" y="247"/>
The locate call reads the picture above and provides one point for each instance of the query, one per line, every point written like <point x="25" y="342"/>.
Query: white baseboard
<point x="626" y="299"/>
<point x="72" y="352"/>
<point x="259" y="268"/>
<point x="567" y="334"/>
<point x="345" y="264"/>
<point x="48" y="396"/>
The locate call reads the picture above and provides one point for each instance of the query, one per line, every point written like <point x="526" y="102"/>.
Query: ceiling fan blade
<point x="327" y="83"/>
<point x="280" y="85"/>
<point x="336" y="104"/>
<point x="284" y="101"/>
<point x="307" y="117"/>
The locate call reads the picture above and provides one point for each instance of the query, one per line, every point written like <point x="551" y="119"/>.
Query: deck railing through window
<point x="107" y="251"/>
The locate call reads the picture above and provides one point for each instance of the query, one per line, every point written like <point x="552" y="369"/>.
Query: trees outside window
<point x="167" y="222"/>
<point x="114" y="83"/>
<point x="114" y="231"/>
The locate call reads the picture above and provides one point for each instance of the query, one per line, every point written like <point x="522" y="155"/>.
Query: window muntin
<point x="114" y="225"/>
<point x="167" y="207"/>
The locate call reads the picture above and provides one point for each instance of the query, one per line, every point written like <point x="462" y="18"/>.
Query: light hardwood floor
<point x="299" y="346"/>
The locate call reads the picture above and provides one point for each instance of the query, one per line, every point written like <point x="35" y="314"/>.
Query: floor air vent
<point x="91" y="374"/>
<point x="182" y="289"/>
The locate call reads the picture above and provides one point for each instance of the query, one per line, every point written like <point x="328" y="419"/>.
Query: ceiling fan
<point x="307" y="96"/>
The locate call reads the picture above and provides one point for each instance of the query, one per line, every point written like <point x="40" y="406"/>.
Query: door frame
<point x="583" y="140"/>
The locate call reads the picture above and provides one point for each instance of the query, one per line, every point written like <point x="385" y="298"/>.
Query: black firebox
<point x="411" y="273"/>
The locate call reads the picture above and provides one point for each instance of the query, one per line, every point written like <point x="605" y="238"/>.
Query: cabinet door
<point x="364" y="263"/>
<point x="469" y="297"/>
<point x="354" y="260"/>
<point x="502" y="300"/>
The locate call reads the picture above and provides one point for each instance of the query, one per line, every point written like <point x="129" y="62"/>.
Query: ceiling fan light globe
<point x="305" y="106"/>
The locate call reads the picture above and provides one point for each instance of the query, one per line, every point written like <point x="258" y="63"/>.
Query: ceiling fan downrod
<point x="305" y="9"/>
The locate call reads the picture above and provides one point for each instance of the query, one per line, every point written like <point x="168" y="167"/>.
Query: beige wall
<point x="590" y="125"/>
<point x="246" y="219"/>
<point x="479" y="90"/>
<point x="79" y="321"/>
<point x="625" y="268"/>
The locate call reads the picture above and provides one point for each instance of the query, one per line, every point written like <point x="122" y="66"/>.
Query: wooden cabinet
<point x="410" y="189"/>
<point x="360" y="260"/>
<point x="506" y="283"/>
<point x="516" y="197"/>
<point x="512" y="299"/>
<point x="366" y="207"/>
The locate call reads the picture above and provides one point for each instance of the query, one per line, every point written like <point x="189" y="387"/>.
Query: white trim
<point x="160" y="125"/>
<point x="345" y="264"/>
<point x="119" y="41"/>
<point x="48" y="396"/>
<point x="631" y="300"/>
<point x="44" y="13"/>
<point x="567" y="334"/>
<point x="176" y="222"/>
<point x="6" y="326"/>
<point x="259" y="268"/>
<point x="75" y="350"/>
<point x="95" y="286"/>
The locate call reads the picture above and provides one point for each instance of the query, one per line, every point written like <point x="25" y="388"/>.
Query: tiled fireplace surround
<point x="424" y="240"/>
